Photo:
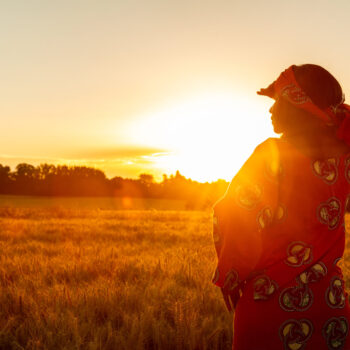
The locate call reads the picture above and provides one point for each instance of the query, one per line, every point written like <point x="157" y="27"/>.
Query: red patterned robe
<point x="279" y="235"/>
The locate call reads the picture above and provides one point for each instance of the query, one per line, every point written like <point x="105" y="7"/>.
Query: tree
<point x="5" y="179"/>
<point x="146" y="179"/>
<point x="25" y="171"/>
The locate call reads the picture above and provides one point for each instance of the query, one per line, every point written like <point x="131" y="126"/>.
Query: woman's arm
<point x="239" y="218"/>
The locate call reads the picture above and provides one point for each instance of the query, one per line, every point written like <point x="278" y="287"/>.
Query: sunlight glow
<point x="209" y="136"/>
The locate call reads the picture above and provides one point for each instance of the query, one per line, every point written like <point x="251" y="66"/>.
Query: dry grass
<point x="89" y="203"/>
<point x="95" y="279"/>
<point x="92" y="279"/>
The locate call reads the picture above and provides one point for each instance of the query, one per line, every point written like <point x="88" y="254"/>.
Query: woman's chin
<point x="276" y="129"/>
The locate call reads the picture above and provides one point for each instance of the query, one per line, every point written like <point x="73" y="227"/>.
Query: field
<point x="126" y="203"/>
<point x="106" y="279"/>
<point x="109" y="279"/>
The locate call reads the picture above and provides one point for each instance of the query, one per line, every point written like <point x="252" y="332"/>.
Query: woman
<point x="279" y="231"/>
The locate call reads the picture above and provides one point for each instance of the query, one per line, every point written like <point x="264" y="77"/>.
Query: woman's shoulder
<point x="270" y="146"/>
<point x="267" y="152"/>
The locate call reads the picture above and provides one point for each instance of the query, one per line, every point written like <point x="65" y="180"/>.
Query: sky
<point x="154" y="86"/>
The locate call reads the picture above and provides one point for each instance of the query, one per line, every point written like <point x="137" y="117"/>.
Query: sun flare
<point x="209" y="136"/>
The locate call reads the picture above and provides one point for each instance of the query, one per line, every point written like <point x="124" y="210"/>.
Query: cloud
<point x="14" y="160"/>
<point x="115" y="153"/>
<point x="125" y="161"/>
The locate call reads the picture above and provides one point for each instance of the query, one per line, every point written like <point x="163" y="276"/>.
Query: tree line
<point x="63" y="180"/>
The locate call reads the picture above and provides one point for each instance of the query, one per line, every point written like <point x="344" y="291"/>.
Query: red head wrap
<point x="287" y="87"/>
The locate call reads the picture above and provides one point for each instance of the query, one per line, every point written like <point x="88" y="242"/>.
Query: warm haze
<point x="154" y="86"/>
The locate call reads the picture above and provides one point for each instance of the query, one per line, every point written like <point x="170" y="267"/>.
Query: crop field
<point x="116" y="203"/>
<point x="103" y="279"/>
<point x="107" y="279"/>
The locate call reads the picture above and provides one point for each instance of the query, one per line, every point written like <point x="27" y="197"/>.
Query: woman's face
<point x="279" y="116"/>
<point x="287" y="118"/>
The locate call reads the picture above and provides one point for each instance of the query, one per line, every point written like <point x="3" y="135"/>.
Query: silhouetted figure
<point x="279" y="231"/>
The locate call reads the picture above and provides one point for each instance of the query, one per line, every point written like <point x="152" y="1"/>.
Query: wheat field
<point x="93" y="279"/>
<point x="106" y="279"/>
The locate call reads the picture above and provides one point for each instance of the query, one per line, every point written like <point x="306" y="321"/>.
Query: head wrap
<point x="287" y="86"/>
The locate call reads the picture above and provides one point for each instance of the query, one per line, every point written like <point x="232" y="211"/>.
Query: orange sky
<point x="154" y="86"/>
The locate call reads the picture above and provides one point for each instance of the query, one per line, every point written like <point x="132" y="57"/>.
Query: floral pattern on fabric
<point x="248" y="195"/>
<point x="264" y="287"/>
<point x="294" y="94"/>
<point x="335" y="296"/>
<point x="326" y="169"/>
<point x="298" y="253"/>
<point x="329" y="213"/>
<point x="231" y="281"/>
<point x="295" y="334"/>
<point x="265" y="218"/>
<point x="281" y="213"/>
<point x="298" y="298"/>
<point x="313" y="274"/>
<point x="335" y="332"/>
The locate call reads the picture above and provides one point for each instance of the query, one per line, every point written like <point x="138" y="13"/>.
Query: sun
<point x="208" y="136"/>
